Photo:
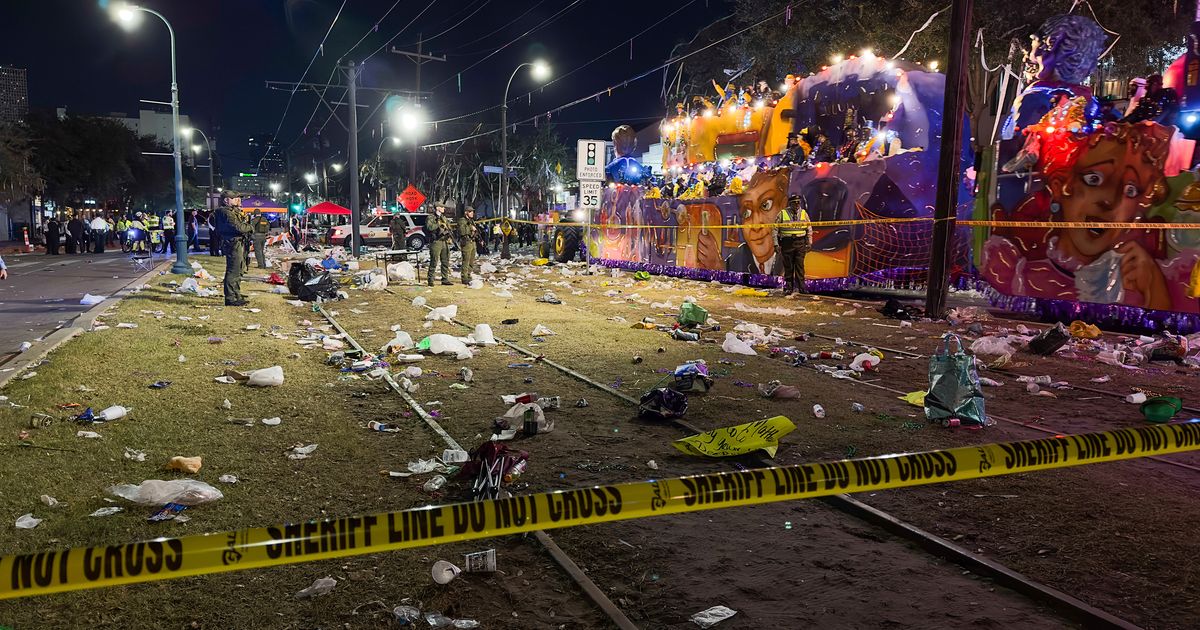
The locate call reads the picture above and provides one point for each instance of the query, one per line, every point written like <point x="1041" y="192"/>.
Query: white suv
<point x="377" y="231"/>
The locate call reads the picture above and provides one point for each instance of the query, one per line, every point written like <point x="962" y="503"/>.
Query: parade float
<point x="868" y="131"/>
<point x="1062" y="226"/>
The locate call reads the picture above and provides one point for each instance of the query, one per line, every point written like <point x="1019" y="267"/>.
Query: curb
<point x="80" y="324"/>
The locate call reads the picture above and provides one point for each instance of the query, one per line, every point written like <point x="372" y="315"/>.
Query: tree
<point x="18" y="178"/>
<point x="538" y="161"/>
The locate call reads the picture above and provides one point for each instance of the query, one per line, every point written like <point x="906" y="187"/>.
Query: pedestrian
<point x="262" y="228"/>
<point x="192" y="229"/>
<point x="169" y="232"/>
<point x="110" y="231"/>
<point x="53" y="233"/>
<point x="75" y="235"/>
<point x="440" y="234"/>
<point x="294" y="232"/>
<point x="154" y="226"/>
<point x="794" y="243"/>
<point x="233" y="230"/>
<point x="99" y="229"/>
<point x="123" y="230"/>
<point x="214" y="241"/>
<point x="467" y="234"/>
<point x="137" y="235"/>
<point x="396" y="228"/>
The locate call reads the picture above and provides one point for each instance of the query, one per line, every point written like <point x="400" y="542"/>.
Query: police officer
<point x="794" y="243"/>
<point x="154" y="227"/>
<point x="232" y="229"/>
<point x="262" y="227"/>
<point x="467" y="235"/>
<point x="441" y="233"/>
<point x="396" y="228"/>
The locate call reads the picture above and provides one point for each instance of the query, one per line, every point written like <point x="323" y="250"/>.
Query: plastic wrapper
<point x="157" y="492"/>
<point x="736" y="346"/>
<point x="446" y="344"/>
<point x="266" y="377"/>
<point x="443" y="313"/>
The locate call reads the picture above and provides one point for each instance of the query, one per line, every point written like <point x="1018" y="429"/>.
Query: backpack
<point x="322" y="287"/>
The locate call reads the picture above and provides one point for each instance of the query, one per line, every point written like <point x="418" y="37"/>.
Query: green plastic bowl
<point x="1161" y="409"/>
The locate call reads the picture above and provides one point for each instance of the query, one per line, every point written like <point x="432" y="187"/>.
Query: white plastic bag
<point x="487" y="267"/>
<point x="90" y="300"/>
<point x="401" y="272"/>
<point x="321" y="586"/>
<point x="402" y="341"/>
<point x="443" y="313"/>
<point x="993" y="346"/>
<point x="736" y="346"/>
<point x="157" y="492"/>
<point x="542" y="331"/>
<point x="371" y="281"/>
<point x="483" y="335"/>
<point x="266" y="377"/>
<point x="419" y="301"/>
<point x="476" y="283"/>
<point x="449" y="344"/>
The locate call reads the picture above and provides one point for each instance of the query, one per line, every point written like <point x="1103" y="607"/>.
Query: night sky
<point x="79" y="58"/>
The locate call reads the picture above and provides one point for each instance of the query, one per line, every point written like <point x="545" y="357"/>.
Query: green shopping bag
<point x="954" y="397"/>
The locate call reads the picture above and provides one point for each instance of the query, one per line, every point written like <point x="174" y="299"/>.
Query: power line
<point x="393" y="37"/>
<point x="624" y="83"/>
<point x="288" y="106"/>
<point x="513" y="41"/>
<point x="456" y="25"/>
<point x="577" y="69"/>
<point x="514" y="21"/>
<point x="374" y="29"/>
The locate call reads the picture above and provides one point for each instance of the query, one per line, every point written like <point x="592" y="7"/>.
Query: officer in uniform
<point x="467" y="235"/>
<point x="794" y="243"/>
<point x="396" y="228"/>
<point x="154" y="227"/>
<point x="232" y="229"/>
<point x="262" y="227"/>
<point x="441" y="233"/>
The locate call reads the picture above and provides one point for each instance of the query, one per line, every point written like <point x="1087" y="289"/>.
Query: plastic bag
<point x="736" y="346"/>
<point x="371" y="281"/>
<point x="157" y="492"/>
<point x="954" y="389"/>
<point x="401" y="272"/>
<point x="541" y="331"/>
<point x="443" y="313"/>
<point x="266" y="377"/>
<point x="448" y="344"/>
<point x="662" y="404"/>
<point x="1050" y="340"/>
<point x="90" y="300"/>
<point x="402" y="341"/>
<point x="993" y="345"/>
<point x="483" y="335"/>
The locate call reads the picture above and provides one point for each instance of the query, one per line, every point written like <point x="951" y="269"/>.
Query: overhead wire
<point x="426" y="40"/>
<point x="514" y="21"/>
<point x="393" y="37"/>
<point x="624" y="83"/>
<point x="291" y="96"/>
<point x="545" y="22"/>
<point x="576" y="69"/>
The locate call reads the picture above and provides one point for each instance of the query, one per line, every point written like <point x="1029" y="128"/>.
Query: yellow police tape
<point x="257" y="547"/>
<point x="1058" y="225"/>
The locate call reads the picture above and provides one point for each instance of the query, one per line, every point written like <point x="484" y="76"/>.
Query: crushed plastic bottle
<point x="818" y="411"/>
<point x="435" y="484"/>
<point x="857" y="407"/>
<point x="1040" y="380"/>
<point x="406" y="615"/>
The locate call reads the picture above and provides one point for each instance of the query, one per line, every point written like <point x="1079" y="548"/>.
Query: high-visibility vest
<point x="152" y="222"/>
<point x="786" y="217"/>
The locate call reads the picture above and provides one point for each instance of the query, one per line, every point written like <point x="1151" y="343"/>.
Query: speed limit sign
<point x="589" y="195"/>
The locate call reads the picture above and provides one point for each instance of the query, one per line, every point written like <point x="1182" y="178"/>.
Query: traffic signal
<point x="591" y="154"/>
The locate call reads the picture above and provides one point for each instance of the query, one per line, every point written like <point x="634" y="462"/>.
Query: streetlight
<point x="311" y="178"/>
<point x="540" y="71"/>
<point x="275" y="187"/>
<point x="127" y="15"/>
<point x="337" y="167"/>
<point x="187" y="131"/>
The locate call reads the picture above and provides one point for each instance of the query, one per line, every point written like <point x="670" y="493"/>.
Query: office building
<point x="14" y="95"/>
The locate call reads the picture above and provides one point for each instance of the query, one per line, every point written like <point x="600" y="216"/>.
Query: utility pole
<point x="351" y="126"/>
<point x="954" y="107"/>
<point x="420" y="59"/>
<point x="355" y="215"/>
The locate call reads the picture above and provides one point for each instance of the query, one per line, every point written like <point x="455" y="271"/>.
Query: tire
<point x="416" y="242"/>
<point x="565" y="244"/>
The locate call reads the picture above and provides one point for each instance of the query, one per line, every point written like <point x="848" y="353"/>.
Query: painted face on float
<point x="1116" y="179"/>
<point x="764" y="199"/>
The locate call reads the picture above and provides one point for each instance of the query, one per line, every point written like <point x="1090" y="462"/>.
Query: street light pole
<point x="504" y="253"/>
<point x="211" y="189"/>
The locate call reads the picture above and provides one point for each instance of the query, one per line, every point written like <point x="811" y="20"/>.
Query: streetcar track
<point x="564" y="561"/>
<point x="933" y="544"/>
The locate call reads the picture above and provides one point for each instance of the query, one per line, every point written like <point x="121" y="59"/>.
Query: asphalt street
<point x="42" y="292"/>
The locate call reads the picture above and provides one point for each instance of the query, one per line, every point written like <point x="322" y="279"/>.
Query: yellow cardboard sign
<point x="738" y="440"/>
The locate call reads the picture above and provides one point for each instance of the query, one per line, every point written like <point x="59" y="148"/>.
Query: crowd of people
<point x="83" y="232"/>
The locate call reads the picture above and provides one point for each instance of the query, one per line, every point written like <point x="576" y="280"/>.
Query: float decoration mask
<point x="624" y="141"/>
<point x="1065" y="49"/>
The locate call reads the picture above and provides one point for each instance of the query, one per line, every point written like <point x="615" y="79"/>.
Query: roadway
<point x="42" y="292"/>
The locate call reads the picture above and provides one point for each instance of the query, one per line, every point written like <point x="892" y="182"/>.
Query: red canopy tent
<point x="328" y="207"/>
